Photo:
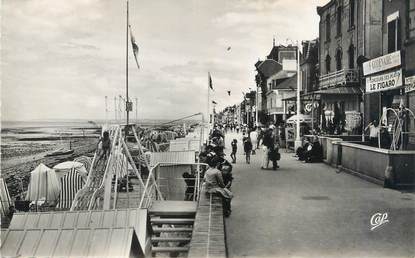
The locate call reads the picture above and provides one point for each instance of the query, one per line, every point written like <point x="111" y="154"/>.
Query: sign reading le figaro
<point x="383" y="82"/>
<point x="382" y="63"/>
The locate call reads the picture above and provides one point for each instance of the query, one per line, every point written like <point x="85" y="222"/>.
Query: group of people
<point x="251" y="142"/>
<point x="218" y="176"/>
<point x="310" y="151"/>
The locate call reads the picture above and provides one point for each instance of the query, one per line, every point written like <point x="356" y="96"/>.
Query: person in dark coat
<point x="234" y="145"/>
<point x="248" y="149"/>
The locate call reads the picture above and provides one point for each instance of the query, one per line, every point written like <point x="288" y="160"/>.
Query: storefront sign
<point x="384" y="82"/>
<point x="382" y="63"/>
<point x="410" y="84"/>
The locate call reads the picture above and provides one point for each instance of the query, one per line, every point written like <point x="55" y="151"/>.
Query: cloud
<point x="61" y="58"/>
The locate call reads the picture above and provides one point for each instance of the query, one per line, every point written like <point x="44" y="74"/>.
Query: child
<point x="248" y="149"/>
<point x="234" y="149"/>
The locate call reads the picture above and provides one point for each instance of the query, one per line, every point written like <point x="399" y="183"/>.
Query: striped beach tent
<point x="5" y="200"/>
<point x="70" y="184"/>
<point x="64" y="168"/>
<point x="86" y="161"/>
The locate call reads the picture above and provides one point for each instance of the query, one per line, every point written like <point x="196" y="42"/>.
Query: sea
<point x="13" y="132"/>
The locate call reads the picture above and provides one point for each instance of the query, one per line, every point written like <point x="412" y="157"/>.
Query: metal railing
<point x="341" y="77"/>
<point x="152" y="190"/>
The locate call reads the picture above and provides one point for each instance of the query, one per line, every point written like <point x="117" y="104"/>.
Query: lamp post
<point x="297" y="142"/>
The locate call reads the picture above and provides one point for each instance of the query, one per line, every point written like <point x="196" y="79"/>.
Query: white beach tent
<point x="72" y="177"/>
<point x="5" y="200"/>
<point x="64" y="168"/>
<point x="43" y="185"/>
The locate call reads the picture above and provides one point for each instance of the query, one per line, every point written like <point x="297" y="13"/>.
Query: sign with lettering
<point x="384" y="82"/>
<point x="410" y="84"/>
<point x="382" y="63"/>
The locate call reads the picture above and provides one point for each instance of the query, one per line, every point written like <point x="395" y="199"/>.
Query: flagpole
<point x="126" y="65"/>
<point x="208" y="102"/>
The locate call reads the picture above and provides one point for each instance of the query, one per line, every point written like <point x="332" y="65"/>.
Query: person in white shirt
<point x="254" y="139"/>
<point x="374" y="130"/>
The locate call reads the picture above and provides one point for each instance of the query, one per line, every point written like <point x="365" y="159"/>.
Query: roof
<point x="173" y="156"/>
<point x="269" y="67"/>
<point x="340" y="90"/>
<point x="321" y="9"/>
<point x="125" y="218"/>
<point x="79" y="242"/>
<point x="283" y="74"/>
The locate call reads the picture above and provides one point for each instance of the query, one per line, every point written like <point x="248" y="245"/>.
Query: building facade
<point x="349" y="31"/>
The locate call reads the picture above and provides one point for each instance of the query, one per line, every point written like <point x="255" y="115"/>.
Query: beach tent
<point x="86" y="161"/>
<point x="70" y="184"/>
<point x="43" y="184"/>
<point x="72" y="177"/>
<point x="5" y="200"/>
<point x="64" y="168"/>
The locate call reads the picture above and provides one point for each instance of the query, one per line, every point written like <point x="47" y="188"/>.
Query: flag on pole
<point x="229" y="92"/>
<point x="135" y="47"/>
<point x="210" y="82"/>
<point x="214" y="102"/>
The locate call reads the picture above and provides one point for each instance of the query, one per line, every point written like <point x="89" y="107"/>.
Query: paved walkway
<point x="309" y="210"/>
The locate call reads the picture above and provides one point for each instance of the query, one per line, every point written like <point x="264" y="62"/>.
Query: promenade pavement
<point x="311" y="210"/>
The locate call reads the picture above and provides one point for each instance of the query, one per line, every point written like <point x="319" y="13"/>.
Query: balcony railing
<point x="343" y="77"/>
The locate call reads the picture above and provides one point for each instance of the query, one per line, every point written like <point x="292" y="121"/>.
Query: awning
<point x="340" y="90"/>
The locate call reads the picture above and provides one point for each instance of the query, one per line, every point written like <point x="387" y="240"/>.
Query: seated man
<point x="302" y="150"/>
<point x="315" y="153"/>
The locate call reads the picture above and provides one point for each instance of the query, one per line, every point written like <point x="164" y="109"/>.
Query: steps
<point x="172" y="224"/>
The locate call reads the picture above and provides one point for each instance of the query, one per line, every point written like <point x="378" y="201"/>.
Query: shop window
<point x="351" y="57"/>
<point x="394" y="33"/>
<point x="351" y="13"/>
<point x="339" y="21"/>
<point x="328" y="27"/>
<point x="338" y="59"/>
<point x="328" y="61"/>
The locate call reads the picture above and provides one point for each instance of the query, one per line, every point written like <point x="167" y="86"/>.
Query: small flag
<point x="135" y="47"/>
<point x="229" y="92"/>
<point x="210" y="82"/>
<point x="214" y="102"/>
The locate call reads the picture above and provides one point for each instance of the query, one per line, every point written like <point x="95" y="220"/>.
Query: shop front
<point x="388" y="101"/>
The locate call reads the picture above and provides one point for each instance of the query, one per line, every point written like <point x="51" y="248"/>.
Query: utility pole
<point x="106" y="110"/>
<point x="136" y="110"/>
<point x="115" y="109"/>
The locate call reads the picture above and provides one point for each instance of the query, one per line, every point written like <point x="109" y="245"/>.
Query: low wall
<point x="208" y="238"/>
<point x="381" y="166"/>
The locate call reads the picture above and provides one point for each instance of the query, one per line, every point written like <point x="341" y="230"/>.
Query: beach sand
<point x="18" y="160"/>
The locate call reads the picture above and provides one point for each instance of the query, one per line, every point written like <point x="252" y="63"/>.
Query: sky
<point x="60" y="58"/>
